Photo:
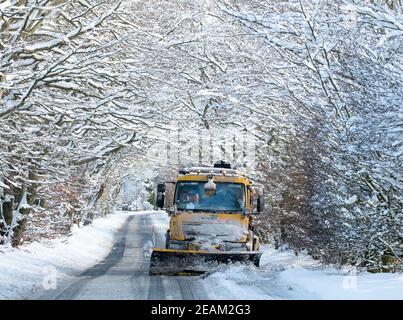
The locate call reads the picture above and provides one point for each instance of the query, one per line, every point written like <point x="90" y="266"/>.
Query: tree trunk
<point x="30" y="193"/>
<point x="20" y="229"/>
<point x="7" y="215"/>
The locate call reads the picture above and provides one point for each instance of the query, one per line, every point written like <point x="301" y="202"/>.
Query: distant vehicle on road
<point x="125" y="207"/>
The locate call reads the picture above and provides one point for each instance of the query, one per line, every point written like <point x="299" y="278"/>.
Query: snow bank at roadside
<point x="283" y="275"/>
<point x="315" y="281"/>
<point x="159" y="221"/>
<point x="331" y="284"/>
<point x="33" y="266"/>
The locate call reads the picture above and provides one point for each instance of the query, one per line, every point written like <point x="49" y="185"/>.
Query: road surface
<point x="123" y="274"/>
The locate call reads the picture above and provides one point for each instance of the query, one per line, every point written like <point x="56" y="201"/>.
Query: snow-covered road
<point x="123" y="244"/>
<point x="123" y="274"/>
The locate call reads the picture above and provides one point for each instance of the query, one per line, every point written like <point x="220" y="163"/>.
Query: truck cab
<point x="211" y="210"/>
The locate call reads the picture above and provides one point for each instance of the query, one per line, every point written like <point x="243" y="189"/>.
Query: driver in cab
<point x="190" y="198"/>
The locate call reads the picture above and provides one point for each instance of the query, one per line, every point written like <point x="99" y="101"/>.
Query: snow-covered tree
<point x="333" y="70"/>
<point x="68" y="102"/>
<point x="94" y="92"/>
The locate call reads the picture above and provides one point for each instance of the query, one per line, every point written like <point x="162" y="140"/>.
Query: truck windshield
<point x="190" y="195"/>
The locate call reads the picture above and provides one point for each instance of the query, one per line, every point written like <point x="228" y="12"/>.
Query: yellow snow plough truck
<point x="210" y="211"/>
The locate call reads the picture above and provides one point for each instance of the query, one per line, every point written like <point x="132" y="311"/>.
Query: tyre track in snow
<point x="123" y="274"/>
<point x="100" y="268"/>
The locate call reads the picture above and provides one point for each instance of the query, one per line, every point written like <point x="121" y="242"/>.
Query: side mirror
<point x="160" y="200"/>
<point x="161" y="187"/>
<point x="160" y="195"/>
<point x="260" y="204"/>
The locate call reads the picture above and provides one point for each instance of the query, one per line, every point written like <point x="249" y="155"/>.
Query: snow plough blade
<point x="185" y="262"/>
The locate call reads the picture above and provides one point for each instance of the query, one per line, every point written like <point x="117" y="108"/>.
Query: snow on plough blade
<point x="185" y="262"/>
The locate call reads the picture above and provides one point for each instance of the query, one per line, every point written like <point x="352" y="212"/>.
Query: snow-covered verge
<point x="283" y="275"/>
<point x="159" y="222"/>
<point x="32" y="267"/>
